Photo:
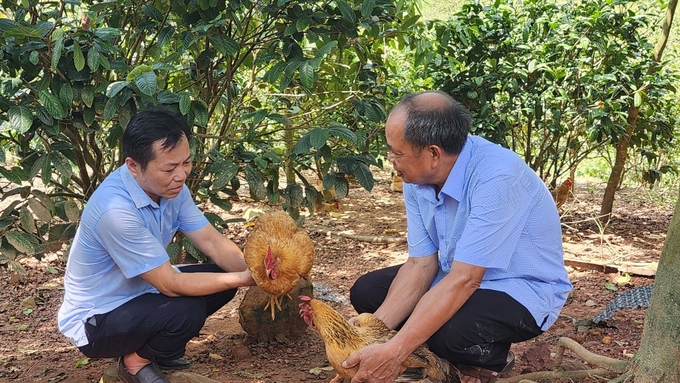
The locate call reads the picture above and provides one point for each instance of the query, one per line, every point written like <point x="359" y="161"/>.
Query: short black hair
<point x="149" y="126"/>
<point x="445" y="124"/>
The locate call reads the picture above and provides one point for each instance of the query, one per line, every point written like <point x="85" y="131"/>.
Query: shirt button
<point x="441" y="236"/>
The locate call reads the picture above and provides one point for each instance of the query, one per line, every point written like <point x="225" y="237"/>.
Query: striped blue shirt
<point x="494" y="212"/>
<point x="122" y="233"/>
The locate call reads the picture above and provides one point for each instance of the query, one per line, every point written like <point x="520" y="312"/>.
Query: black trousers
<point x="155" y="326"/>
<point x="479" y="334"/>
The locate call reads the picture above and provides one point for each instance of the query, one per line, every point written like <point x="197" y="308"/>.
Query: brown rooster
<point x="561" y="194"/>
<point x="278" y="254"/>
<point x="343" y="339"/>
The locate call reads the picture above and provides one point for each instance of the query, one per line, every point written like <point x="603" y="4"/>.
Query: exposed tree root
<point x="607" y="367"/>
<point x="549" y="375"/>
<point x="615" y="365"/>
<point x="363" y="238"/>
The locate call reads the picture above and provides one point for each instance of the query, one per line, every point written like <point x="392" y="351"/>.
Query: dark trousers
<point x="155" y="326"/>
<point x="479" y="334"/>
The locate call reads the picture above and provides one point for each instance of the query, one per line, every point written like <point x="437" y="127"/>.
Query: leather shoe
<point x="175" y="364"/>
<point x="148" y="374"/>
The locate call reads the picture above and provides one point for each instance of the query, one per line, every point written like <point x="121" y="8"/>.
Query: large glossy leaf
<point x="40" y="210"/>
<point x="223" y="171"/>
<point x="256" y="183"/>
<point x="52" y="104"/>
<point x="66" y="95"/>
<point x="61" y="164"/>
<point x="346" y="11"/>
<point x="72" y="211"/>
<point x="21" y="242"/>
<point x="318" y="137"/>
<point x="115" y="87"/>
<point x="147" y="83"/>
<point x="87" y="95"/>
<point x="20" y="118"/>
<point x="307" y="75"/>
<point x="26" y="219"/>
<point x="57" y="51"/>
<point x="78" y="57"/>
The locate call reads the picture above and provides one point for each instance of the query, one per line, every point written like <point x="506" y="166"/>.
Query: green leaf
<point x="364" y="176"/>
<point x="44" y="115"/>
<point x="115" y="87"/>
<point x="225" y="45"/>
<point x="184" y="103"/>
<point x="66" y="95"/>
<point x="82" y="362"/>
<point x="307" y="74"/>
<point x="274" y="73"/>
<point x="346" y="11"/>
<point x="26" y="219"/>
<point x="173" y="251"/>
<point x="20" y="241"/>
<point x="200" y="111"/>
<point x="61" y="164"/>
<point x="72" y="211"/>
<point x="88" y="116"/>
<point x="37" y="167"/>
<point x="318" y="137"/>
<point x="138" y="70"/>
<point x="223" y="204"/>
<point x="40" y="210"/>
<point x="256" y="183"/>
<point x="147" y="83"/>
<point x="52" y="104"/>
<point x="20" y="118"/>
<point x="338" y="182"/>
<point x="57" y="51"/>
<point x="303" y="146"/>
<point x="637" y="99"/>
<point x="342" y="132"/>
<point x="93" y="59"/>
<point x="302" y="24"/>
<point x="152" y="12"/>
<point x="367" y="8"/>
<point x="224" y="171"/>
<point x="87" y="95"/>
<point x="610" y="286"/>
<point x="78" y="58"/>
<point x="165" y="35"/>
<point x="34" y="57"/>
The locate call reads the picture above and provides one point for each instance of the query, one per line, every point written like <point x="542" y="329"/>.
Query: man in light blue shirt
<point x="485" y="266"/>
<point x="123" y="298"/>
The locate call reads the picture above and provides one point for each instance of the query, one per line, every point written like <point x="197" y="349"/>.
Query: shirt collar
<point x="137" y="194"/>
<point x="453" y="187"/>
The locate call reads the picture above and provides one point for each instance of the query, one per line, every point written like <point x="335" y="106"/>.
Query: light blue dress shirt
<point x="122" y="233"/>
<point x="494" y="212"/>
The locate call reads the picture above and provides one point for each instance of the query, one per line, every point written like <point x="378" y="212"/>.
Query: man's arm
<point x="220" y="250"/>
<point x="411" y="282"/>
<point x="172" y="283"/>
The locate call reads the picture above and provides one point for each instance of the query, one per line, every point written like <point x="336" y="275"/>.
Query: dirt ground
<point x="32" y="350"/>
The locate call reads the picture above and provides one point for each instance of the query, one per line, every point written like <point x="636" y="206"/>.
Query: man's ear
<point x="435" y="152"/>
<point x="133" y="166"/>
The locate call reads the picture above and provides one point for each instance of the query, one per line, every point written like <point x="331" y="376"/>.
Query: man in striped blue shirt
<point x="485" y="266"/>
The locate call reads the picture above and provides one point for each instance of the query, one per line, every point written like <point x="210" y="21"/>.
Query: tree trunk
<point x="617" y="171"/>
<point x="622" y="146"/>
<point x="659" y="353"/>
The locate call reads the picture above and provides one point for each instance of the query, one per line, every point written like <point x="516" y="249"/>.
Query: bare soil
<point x="33" y="350"/>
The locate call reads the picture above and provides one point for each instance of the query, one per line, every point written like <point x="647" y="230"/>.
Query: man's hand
<point x="377" y="364"/>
